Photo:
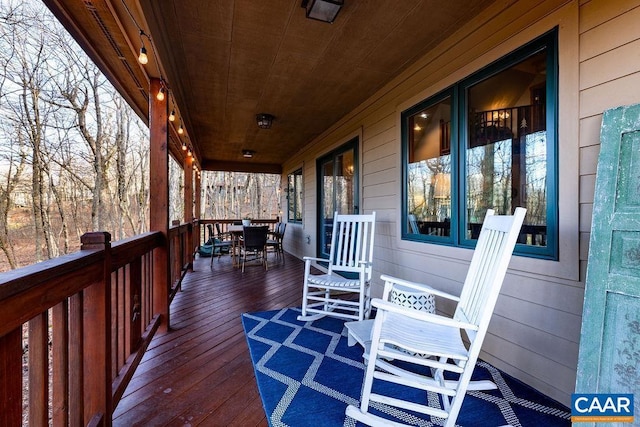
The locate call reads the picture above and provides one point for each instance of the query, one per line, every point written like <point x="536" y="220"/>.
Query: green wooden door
<point x="609" y="359"/>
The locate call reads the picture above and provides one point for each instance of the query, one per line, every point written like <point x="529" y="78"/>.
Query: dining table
<point x="235" y="231"/>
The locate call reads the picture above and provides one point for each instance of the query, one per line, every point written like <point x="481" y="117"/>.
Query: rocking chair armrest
<point x="421" y="315"/>
<point x="312" y="258"/>
<point x="364" y="263"/>
<point x="419" y="287"/>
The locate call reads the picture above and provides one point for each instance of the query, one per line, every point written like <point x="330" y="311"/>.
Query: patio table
<point x="236" y="233"/>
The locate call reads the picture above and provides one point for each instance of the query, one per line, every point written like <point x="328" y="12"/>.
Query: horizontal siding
<point x="609" y="77"/>
<point x="622" y="91"/>
<point x="536" y="328"/>
<point x="610" y="66"/>
<point x="605" y="32"/>
<point x="590" y="130"/>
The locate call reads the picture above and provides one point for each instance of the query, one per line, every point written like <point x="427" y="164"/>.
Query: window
<point x="489" y="141"/>
<point x="294" y="196"/>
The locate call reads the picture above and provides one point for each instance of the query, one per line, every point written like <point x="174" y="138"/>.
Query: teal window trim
<point x="292" y="193"/>
<point x="459" y="131"/>
<point x="406" y="235"/>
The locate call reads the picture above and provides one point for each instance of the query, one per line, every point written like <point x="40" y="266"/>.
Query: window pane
<point x="344" y="182"/>
<point x="429" y="170"/>
<point x="294" y="183"/>
<point x="506" y="154"/>
<point x="327" y="192"/>
<point x="298" y="196"/>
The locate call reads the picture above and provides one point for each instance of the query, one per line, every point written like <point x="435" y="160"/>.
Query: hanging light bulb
<point x="143" y="58"/>
<point x="180" y="129"/>
<point x="172" y="116"/>
<point x="184" y="145"/>
<point x="160" y="95"/>
<point x="189" y="152"/>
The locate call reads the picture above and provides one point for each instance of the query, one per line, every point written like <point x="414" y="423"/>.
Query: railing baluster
<point x="39" y="370"/>
<point x="60" y="364"/>
<point x="11" y="378"/>
<point x="135" y="303"/>
<point x="76" y="373"/>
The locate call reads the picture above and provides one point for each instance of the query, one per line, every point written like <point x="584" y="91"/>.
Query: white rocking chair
<point x="349" y="272"/>
<point x="434" y="341"/>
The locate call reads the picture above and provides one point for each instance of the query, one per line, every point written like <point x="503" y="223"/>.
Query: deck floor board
<point x="200" y="372"/>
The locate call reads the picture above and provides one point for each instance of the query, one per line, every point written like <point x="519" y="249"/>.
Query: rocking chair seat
<point x="333" y="281"/>
<point x="414" y="335"/>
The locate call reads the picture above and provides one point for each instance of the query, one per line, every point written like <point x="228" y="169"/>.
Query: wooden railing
<point x="182" y="249"/>
<point x="90" y="318"/>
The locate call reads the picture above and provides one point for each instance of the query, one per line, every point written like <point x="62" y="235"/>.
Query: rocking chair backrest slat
<point x="488" y="268"/>
<point x="351" y="242"/>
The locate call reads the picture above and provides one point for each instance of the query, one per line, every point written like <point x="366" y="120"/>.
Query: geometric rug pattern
<point x="307" y="375"/>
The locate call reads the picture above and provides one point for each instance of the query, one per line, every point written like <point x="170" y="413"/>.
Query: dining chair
<point x="254" y="242"/>
<point x="275" y="242"/>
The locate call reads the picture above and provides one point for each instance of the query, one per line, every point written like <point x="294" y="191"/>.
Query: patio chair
<point x="431" y="344"/>
<point x="222" y="235"/>
<point x="219" y="241"/>
<point x="254" y="241"/>
<point x="276" y="241"/>
<point x="348" y="273"/>
<point x="413" y="224"/>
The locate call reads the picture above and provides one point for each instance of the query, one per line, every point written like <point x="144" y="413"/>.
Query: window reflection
<point x="429" y="169"/>
<point x="506" y="154"/>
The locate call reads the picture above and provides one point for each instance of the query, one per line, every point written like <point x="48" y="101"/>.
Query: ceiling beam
<point x="242" y="167"/>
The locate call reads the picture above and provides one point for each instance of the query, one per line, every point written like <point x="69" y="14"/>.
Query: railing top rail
<point x="29" y="277"/>
<point x="30" y="290"/>
<point x="123" y="251"/>
<point x="232" y="220"/>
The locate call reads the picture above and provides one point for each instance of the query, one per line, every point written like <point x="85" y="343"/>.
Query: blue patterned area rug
<point x="307" y="375"/>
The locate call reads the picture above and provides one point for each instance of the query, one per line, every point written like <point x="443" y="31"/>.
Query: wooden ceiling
<point x="224" y="61"/>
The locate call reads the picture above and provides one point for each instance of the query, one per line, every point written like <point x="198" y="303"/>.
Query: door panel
<point x="610" y="338"/>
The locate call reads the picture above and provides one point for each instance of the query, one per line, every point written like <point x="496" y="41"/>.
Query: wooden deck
<point x="200" y="372"/>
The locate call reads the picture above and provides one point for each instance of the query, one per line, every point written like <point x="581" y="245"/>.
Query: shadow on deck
<point x="200" y="372"/>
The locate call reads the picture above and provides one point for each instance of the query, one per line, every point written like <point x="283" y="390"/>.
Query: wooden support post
<point x="97" y="334"/>
<point x="188" y="207"/>
<point x="197" y="211"/>
<point x="159" y="203"/>
<point x="11" y="378"/>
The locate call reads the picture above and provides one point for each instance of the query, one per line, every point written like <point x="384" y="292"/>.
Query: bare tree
<point x="29" y="78"/>
<point x="15" y="161"/>
<point x="237" y="194"/>
<point x="67" y="130"/>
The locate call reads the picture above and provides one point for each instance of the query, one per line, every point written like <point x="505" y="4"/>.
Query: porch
<point x="200" y="371"/>
<point x="538" y="329"/>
